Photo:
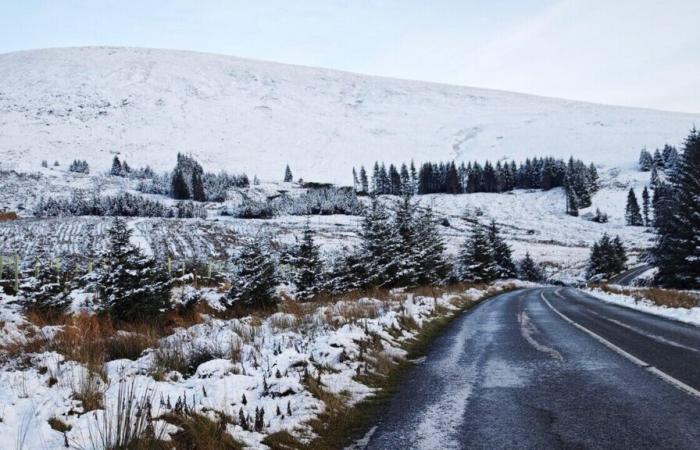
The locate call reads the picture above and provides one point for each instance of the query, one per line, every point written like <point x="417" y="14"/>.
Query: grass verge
<point x="340" y="425"/>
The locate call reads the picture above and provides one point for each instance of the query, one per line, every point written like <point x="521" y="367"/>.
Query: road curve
<point x="627" y="277"/>
<point x="549" y="368"/>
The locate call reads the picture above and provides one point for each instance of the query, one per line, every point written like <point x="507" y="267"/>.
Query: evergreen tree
<point x="288" y="178"/>
<point x="645" y="160"/>
<point x="197" y="187"/>
<point x="307" y="265"/>
<point x="654" y="179"/>
<point x="633" y="216"/>
<point x="505" y="267"/>
<point x="478" y="262"/>
<point x="178" y="187"/>
<point x="364" y="184"/>
<point x="355" y="182"/>
<point x="571" y="199"/>
<point x="607" y="258"/>
<point x="381" y="243"/>
<point x="677" y="251"/>
<point x="407" y="259"/>
<point x="658" y="159"/>
<point x="429" y="250"/>
<point x="130" y="285"/>
<point x="600" y="217"/>
<point x="116" y="169"/>
<point x="645" y="206"/>
<point x="254" y="280"/>
<point x="529" y="270"/>
<point x="46" y="290"/>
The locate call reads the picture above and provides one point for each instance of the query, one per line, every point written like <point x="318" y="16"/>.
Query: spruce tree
<point x="178" y="186"/>
<point x="131" y="286"/>
<point x="407" y="259"/>
<point x="477" y="259"/>
<point x="645" y="206"/>
<point x="429" y="250"/>
<point x="645" y="160"/>
<point x="381" y="245"/>
<point x="116" y="169"/>
<point x="46" y="290"/>
<point x="364" y="183"/>
<point x="254" y="280"/>
<point x="307" y="265"/>
<point x="633" y="216"/>
<point x="529" y="270"/>
<point x="505" y="267"/>
<point x="658" y="159"/>
<point x="677" y="251"/>
<point x="654" y="178"/>
<point x="197" y="187"/>
<point x="607" y="258"/>
<point x="288" y="178"/>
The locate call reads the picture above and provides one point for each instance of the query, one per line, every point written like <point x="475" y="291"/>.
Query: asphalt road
<point x="515" y="372"/>
<point x="627" y="277"/>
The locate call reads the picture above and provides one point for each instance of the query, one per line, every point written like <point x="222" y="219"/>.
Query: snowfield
<point x="253" y="116"/>
<point x="267" y="361"/>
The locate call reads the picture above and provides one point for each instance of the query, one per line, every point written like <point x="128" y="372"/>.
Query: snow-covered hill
<point x="253" y="116"/>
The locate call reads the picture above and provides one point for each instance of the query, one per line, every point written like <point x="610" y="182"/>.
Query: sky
<point x="643" y="53"/>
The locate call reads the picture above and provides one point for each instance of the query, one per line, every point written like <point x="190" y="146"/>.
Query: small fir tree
<point x="529" y="270"/>
<point x="131" y="286"/>
<point x="288" y="177"/>
<point x="478" y="263"/>
<point x="307" y="265"/>
<point x="254" y="281"/>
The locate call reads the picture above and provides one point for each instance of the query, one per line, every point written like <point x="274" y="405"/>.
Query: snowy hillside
<point x="252" y="116"/>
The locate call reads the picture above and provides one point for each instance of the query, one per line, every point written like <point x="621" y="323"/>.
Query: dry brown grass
<point x="8" y="215"/>
<point x="670" y="298"/>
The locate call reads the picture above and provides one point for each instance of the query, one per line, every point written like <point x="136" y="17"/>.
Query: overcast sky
<point x="627" y="52"/>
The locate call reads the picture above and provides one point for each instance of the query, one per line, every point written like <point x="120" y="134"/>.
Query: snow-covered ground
<point x="687" y="315"/>
<point x="531" y="221"/>
<point x="253" y="116"/>
<point x="263" y="360"/>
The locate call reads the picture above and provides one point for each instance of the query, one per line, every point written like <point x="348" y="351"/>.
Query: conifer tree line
<point x="399" y="247"/>
<point x="79" y="166"/>
<point x="123" y="204"/>
<point x="676" y="206"/>
<point x="667" y="158"/>
<point x="187" y="181"/>
<point x="450" y="178"/>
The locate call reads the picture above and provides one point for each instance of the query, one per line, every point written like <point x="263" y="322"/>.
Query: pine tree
<point x="307" y="265"/>
<point x="654" y="179"/>
<point x="255" y="279"/>
<point x="505" y="267"/>
<point x="645" y="206"/>
<point x="288" y="178"/>
<point x="197" y="187"/>
<point x="658" y="160"/>
<point x="571" y="201"/>
<point x="131" y="286"/>
<point x="381" y="243"/>
<point x="429" y="250"/>
<point x="529" y="271"/>
<point x="46" y="290"/>
<point x="633" y="216"/>
<point x="677" y="251"/>
<point x="364" y="183"/>
<point x="478" y="263"/>
<point x="407" y="260"/>
<point x="645" y="160"/>
<point x="178" y="186"/>
<point x="607" y="258"/>
<point x="116" y="169"/>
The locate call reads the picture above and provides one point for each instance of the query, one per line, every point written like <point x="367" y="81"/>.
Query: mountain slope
<point x="252" y="116"/>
